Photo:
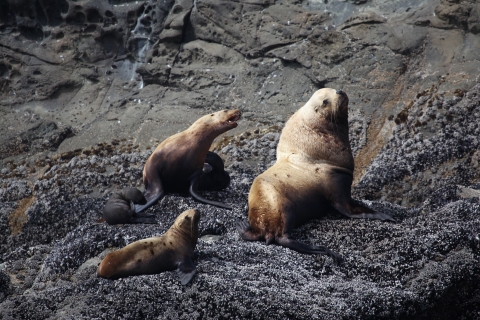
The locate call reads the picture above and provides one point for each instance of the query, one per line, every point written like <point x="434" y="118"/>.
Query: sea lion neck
<point x="206" y="132"/>
<point x="338" y="128"/>
<point x="189" y="235"/>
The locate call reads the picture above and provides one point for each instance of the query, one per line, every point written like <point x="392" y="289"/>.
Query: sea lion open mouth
<point x="233" y="119"/>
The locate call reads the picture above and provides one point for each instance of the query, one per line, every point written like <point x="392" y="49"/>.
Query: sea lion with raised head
<point x="313" y="171"/>
<point x="171" y="251"/>
<point x="178" y="164"/>
<point x="120" y="208"/>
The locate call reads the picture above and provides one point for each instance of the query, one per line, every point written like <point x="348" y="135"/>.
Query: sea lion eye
<point x="212" y="115"/>
<point x="325" y="102"/>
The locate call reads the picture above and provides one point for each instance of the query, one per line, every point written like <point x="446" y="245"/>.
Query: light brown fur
<point x="313" y="172"/>
<point x="174" y="249"/>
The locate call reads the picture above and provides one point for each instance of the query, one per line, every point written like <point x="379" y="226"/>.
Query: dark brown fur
<point x="180" y="158"/>
<point x="119" y="208"/>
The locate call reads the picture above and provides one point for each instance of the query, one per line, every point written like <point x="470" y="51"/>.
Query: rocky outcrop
<point x="89" y="87"/>
<point x="425" y="265"/>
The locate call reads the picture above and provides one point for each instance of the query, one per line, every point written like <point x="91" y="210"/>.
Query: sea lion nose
<point x="340" y="92"/>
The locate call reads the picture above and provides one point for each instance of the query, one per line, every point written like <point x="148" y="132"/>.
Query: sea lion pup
<point x="120" y="208"/>
<point x="178" y="163"/>
<point x="171" y="251"/>
<point x="214" y="176"/>
<point x="313" y="171"/>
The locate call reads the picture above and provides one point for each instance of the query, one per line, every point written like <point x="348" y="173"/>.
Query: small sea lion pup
<point x="182" y="162"/>
<point x="120" y="208"/>
<point x="313" y="171"/>
<point x="171" y="251"/>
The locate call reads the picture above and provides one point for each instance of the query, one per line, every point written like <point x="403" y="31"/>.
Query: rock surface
<point x="89" y="87"/>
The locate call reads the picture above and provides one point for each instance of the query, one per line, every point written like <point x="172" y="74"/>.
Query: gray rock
<point x="88" y="88"/>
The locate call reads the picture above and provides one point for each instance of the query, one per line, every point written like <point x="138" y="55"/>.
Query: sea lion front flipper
<point x="186" y="270"/>
<point x="246" y="232"/>
<point x="358" y="211"/>
<point x="301" y="247"/>
<point x="154" y="190"/>
<point x="194" y="181"/>
<point x="157" y="197"/>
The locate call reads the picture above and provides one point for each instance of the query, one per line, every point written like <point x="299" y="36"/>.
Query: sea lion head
<point x="220" y="121"/>
<point x="187" y="224"/>
<point x="328" y="104"/>
<point x="318" y="131"/>
<point x="133" y="194"/>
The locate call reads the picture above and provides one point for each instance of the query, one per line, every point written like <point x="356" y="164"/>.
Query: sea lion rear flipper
<point x="186" y="270"/>
<point x="309" y="249"/>
<point x="151" y="202"/>
<point x="194" y="181"/>
<point x="246" y="232"/>
<point x="358" y="211"/>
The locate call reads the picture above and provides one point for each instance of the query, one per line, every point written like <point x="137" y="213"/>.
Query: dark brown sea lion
<point x="313" y="172"/>
<point x="214" y="176"/>
<point x="120" y="208"/>
<point x="178" y="164"/>
<point x="171" y="251"/>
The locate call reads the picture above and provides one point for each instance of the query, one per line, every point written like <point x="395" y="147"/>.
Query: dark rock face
<point x="89" y="87"/>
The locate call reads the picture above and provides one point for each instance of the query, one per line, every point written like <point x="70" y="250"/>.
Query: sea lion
<point x="214" y="176"/>
<point x="171" y="251"/>
<point x="178" y="163"/>
<point x="120" y="208"/>
<point x="313" y="171"/>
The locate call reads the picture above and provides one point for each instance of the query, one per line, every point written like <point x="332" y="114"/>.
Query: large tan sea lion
<point x="171" y="251"/>
<point x="182" y="162"/>
<point x="313" y="172"/>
